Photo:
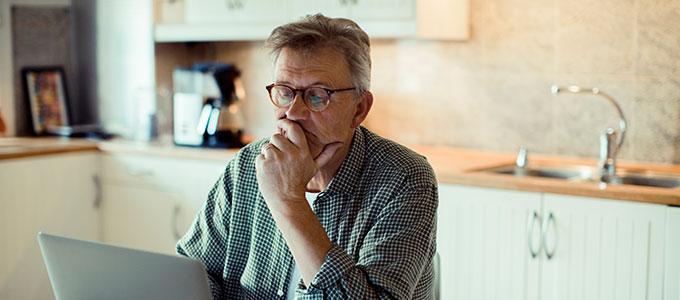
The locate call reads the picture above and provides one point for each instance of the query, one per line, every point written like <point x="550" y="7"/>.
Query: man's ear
<point x="363" y="107"/>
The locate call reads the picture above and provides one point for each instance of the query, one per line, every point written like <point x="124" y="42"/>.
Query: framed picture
<point x="46" y="92"/>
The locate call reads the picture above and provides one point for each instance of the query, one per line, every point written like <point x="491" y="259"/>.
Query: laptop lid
<point x="89" y="270"/>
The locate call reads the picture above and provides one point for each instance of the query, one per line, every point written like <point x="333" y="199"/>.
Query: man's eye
<point x="316" y="99"/>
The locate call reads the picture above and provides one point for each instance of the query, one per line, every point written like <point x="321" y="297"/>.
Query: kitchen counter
<point x="461" y="166"/>
<point x="11" y="148"/>
<point x="452" y="166"/>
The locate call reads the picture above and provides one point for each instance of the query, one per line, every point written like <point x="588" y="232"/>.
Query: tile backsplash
<point x="493" y="91"/>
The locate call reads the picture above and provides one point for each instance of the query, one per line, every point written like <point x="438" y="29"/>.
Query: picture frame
<point x="45" y="89"/>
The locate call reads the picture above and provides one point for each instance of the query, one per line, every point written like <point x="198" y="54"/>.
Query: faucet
<point x="610" y="140"/>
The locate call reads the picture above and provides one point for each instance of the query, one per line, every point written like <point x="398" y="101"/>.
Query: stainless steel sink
<point x="545" y="172"/>
<point x="654" y="180"/>
<point x="589" y="174"/>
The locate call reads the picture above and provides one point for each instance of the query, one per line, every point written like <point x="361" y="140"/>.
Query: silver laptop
<point x="87" y="270"/>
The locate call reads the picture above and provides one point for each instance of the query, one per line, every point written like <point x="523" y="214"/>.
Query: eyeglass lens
<point x="316" y="98"/>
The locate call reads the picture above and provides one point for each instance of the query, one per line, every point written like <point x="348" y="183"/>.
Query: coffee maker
<point x="206" y="106"/>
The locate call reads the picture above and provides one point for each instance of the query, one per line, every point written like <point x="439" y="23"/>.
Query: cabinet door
<point x="482" y="239"/>
<point x="382" y="10"/>
<point x="602" y="249"/>
<point x="672" y="261"/>
<point x="54" y="194"/>
<point x="329" y="8"/>
<point x="235" y="11"/>
<point x="150" y="202"/>
<point x="141" y="218"/>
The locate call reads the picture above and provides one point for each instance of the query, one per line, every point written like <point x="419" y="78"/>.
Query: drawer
<point x="190" y="177"/>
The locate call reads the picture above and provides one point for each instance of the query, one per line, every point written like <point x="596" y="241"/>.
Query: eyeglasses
<point x="316" y="98"/>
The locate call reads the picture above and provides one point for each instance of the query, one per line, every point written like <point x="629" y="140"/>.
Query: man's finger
<point x="258" y="162"/>
<point x="327" y="154"/>
<point x="293" y="132"/>
<point x="268" y="150"/>
<point x="282" y="143"/>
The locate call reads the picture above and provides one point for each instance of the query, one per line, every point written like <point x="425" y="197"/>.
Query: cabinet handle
<point x="140" y="172"/>
<point x="531" y="223"/>
<point x="173" y="222"/>
<point x="97" y="191"/>
<point x="546" y="225"/>
<point x="234" y="4"/>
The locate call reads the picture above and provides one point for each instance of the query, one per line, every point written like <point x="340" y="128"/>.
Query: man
<point x="323" y="208"/>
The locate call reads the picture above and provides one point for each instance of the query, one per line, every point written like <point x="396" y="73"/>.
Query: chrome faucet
<point x="610" y="140"/>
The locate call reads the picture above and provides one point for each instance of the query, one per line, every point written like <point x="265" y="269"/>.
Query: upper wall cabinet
<point x="225" y="20"/>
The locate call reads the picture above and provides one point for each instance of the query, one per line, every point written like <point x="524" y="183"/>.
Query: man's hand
<point x="284" y="168"/>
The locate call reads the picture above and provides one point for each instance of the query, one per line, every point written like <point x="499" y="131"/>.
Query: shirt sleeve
<point x="205" y="240"/>
<point x="396" y="255"/>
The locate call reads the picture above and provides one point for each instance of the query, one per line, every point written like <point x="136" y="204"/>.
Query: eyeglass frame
<point x="330" y="93"/>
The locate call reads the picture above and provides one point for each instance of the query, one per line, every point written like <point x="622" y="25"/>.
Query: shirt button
<point x="280" y="293"/>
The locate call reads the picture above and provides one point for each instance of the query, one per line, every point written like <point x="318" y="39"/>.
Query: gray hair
<point x="318" y="31"/>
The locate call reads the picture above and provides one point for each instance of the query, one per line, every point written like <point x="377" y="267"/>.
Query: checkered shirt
<point x="378" y="211"/>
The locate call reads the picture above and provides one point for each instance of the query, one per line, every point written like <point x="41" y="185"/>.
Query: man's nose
<point x="298" y="109"/>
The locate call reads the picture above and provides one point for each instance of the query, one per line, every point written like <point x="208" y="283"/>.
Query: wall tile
<point x="517" y="110"/>
<point x="658" y="25"/>
<point x="40" y="37"/>
<point x="595" y="37"/>
<point x="516" y="35"/>
<point x="655" y="125"/>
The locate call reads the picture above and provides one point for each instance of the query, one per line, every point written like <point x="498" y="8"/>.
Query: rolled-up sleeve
<point x="396" y="254"/>
<point x="205" y="240"/>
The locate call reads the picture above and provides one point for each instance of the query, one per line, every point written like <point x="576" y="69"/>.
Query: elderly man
<point x="323" y="208"/>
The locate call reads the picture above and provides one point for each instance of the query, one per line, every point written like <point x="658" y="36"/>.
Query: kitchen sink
<point x="584" y="173"/>
<point x="662" y="181"/>
<point x="545" y="172"/>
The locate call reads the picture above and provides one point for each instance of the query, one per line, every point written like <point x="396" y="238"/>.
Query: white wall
<point x="125" y="65"/>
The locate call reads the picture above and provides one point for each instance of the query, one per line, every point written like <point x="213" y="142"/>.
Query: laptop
<point x="88" y="270"/>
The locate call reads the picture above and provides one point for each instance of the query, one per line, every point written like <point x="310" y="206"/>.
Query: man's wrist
<point x="291" y="208"/>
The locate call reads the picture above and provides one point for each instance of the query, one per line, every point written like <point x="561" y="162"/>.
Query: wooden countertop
<point x="11" y="148"/>
<point x="452" y="165"/>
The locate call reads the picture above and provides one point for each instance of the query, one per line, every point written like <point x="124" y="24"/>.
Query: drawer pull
<point x="140" y="172"/>
<point x="546" y="226"/>
<point x="173" y="222"/>
<point x="531" y="223"/>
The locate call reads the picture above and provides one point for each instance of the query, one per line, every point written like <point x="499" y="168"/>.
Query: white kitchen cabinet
<point x="672" y="263"/>
<point x="587" y="248"/>
<point x="224" y="20"/>
<point x="150" y="202"/>
<point x="56" y="194"/>
<point x="602" y="249"/>
<point x="483" y="238"/>
<point x="141" y="218"/>
<point x="358" y="10"/>
<point x="379" y="18"/>
<point x="235" y="11"/>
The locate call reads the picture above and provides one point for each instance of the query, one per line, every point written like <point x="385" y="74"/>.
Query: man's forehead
<point x="306" y="55"/>
<point x="325" y="62"/>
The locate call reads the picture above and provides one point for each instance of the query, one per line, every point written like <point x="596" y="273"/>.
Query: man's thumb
<point x="327" y="154"/>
